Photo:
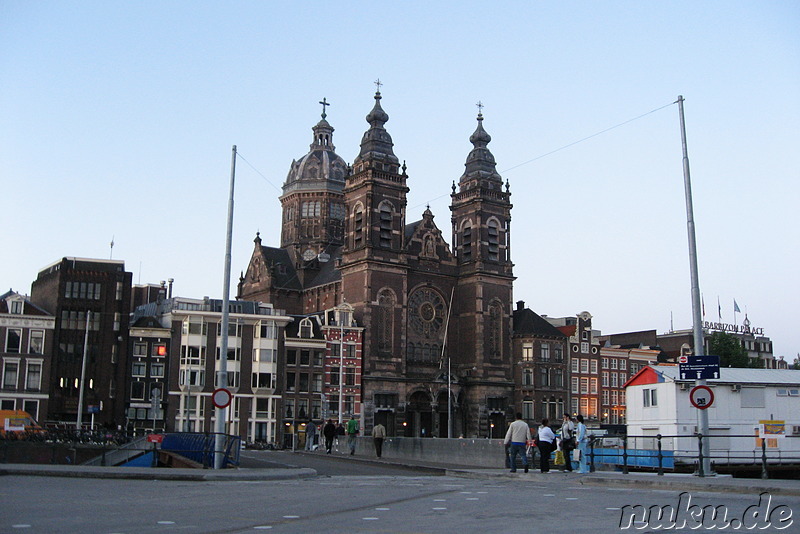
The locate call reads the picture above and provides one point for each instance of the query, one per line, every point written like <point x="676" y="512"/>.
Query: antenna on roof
<point x="111" y="254"/>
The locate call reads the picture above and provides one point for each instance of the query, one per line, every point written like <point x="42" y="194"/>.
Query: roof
<point x="729" y="375"/>
<point x="526" y="321"/>
<point x="283" y="272"/>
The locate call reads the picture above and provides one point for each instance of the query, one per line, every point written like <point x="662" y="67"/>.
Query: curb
<point x="133" y="473"/>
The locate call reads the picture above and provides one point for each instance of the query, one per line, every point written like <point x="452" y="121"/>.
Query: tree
<point x="730" y="351"/>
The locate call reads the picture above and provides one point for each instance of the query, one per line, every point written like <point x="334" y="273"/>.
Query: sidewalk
<point x="669" y="481"/>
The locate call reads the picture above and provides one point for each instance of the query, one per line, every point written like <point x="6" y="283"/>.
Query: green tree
<point x="730" y="351"/>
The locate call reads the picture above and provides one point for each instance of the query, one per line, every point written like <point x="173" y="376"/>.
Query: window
<point x="649" y="397"/>
<point x="584" y="347"/>
<point x="317" y="356"/>
<point x="606" y="395"/>
<point x="493" y="233"/>
<point x="316" y="383"/>
<point x="288" y="405"/>
<point x="545" y="352"/>
<point x="117" y="317"/>
<point x="558" y="353"/>
<point x="575" y="382"/>
<point x="593" y="386"/>
<point x="192" y="377"/>
<point x="266" y="330"/>
<point x="139" y="369"/>
<point x="544" y="377"/>
<point x="558" y="378"/>
<point x="466" y="244"/>
<point x="337" y="211"/>
<point x="605" y="381"/>
<point x="604" y="363"/>
<point x="33" y="376"/>
<point x="191" y="355"/>
<point x="584" y="386"/>
<point x="303" y="384"/>
<point x="291" y="357"/>
<point x="10" y="371"/>
<point x="333" y="404"/>
<point x="527" y="410"/>
<point x="195" y="326"/>
<point x="32" y="407"/>
<point x="349" y="351"/>
<point x="36" y="342"/>
<point x="316" y="409"/>
<point x="16" y="307"/>
<point x="157" y="370"/>
<point x="140" y="349"/>
<point x="527" y="377"/>
<point x="593" y="365"/>
<point x="159" y="350"/>
<point x="302" y="408"/>
<point x="358" y="228"/>
<point x="584" y="366"/>
<point x="137" y="390"/>
<point x="385" y="225"/>
<point x="306" y="329"/>
<point x="349" y="376"/>
<point x="575" y="363"/>
<point x="349" y="404"/>
<point x="263" y="380"/>
<point x="119" y="291"/>
<point x="334" y="380"/>
<point x="290" y="381"/>
<point x="614" y="363"/>
<point x="13" y="338"/>
<point x="527" y="352"/>
<point x="234" y="353"/>
<point x="622" y="364"/>
<point x="305" y="357"/>
<point x="234" y="329"/>
<point x="614" y="380"/>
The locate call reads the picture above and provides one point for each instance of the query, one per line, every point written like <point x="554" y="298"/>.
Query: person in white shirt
<point x="583" y="444"/>
<point x="518" y="435"/>
<point x="545" y="440"/>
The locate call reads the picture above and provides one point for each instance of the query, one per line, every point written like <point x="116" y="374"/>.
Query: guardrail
<point x="660" y="459"/>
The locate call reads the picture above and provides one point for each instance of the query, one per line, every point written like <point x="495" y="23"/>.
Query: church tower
<point x="481" y="317"/>
<point x="313" y="202"/>
<point x="372" y="255"/>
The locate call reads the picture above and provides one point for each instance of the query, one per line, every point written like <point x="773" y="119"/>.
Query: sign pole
<point x="697" y="319"/>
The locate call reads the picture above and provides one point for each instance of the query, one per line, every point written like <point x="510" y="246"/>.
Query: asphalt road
<point x="384" y="503"/>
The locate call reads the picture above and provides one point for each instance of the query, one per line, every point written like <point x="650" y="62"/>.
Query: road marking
<point x="21" y="525"/>
<point x="369" y="518"/>
<point x="572" y="498"/>
<point x="473" y="498"/>
<point x="439" y="500"/>
<point x="465" y="492"/>
<point x="291" y="517"/>
<point x="382" y="509"/>
<point x="440" y="508"/>
<point x="262" y="527"/>
<point x="166" y="522"/>
<point x="613" y="508"/>
<point x="549" y="495"/>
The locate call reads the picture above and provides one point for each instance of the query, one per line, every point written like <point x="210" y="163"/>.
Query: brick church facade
<point x="425" y="306"/>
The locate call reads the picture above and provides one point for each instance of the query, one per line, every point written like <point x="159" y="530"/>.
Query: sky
<point x="117" y="121"/>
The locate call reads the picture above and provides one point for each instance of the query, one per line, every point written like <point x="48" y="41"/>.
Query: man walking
<point x="311" y="435"/>
<point x="378" y="435"/>
<point x="352" y="432"/>
<point x="518" y="435"/>
<point x="329" y="431"/>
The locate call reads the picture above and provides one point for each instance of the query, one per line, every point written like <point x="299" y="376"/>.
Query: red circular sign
<point x="683" y="359"/>
<point x="701" y="397"/>
<point x="221" y="398"/>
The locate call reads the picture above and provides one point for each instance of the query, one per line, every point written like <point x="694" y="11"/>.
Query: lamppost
<point x="341" y="365"/>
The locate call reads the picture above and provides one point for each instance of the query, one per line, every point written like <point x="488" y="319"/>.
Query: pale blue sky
<point x="117" y="119"/>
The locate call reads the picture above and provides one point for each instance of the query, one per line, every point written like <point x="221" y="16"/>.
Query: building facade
<point x="26" y="334"/>
<point x="425" y="307"/>
<point x="74" y="289"/>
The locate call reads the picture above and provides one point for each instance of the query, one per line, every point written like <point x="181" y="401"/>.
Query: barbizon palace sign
<point x="734" y="328"/>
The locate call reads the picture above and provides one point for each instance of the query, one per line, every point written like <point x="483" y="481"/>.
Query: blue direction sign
<point x="699" y="368"/>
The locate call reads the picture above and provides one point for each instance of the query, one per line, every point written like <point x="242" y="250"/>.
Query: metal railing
<point x="620" y="454"/>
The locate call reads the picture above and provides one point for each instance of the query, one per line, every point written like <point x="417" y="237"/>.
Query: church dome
<point x="321" y="168"/>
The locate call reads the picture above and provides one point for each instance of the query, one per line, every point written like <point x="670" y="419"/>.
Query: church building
<point x="436" y="316"/>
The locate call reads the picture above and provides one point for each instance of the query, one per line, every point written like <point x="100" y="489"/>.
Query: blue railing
<point x="199" y="447"/>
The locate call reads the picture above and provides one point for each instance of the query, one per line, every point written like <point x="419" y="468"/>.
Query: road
<point x="388" y="503"/>
<point x="334" y="465"/>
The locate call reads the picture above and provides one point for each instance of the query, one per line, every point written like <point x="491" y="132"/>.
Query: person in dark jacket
<point x="329" y="431"/>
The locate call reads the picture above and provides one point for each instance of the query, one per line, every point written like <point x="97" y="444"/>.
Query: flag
<point x="719" y="309"/>
<point x="736" y="307"/>
<point x="703" y="301"/>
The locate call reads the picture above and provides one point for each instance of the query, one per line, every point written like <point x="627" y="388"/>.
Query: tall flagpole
<point x="222" y="373"/>
<point x="697" y="321"/>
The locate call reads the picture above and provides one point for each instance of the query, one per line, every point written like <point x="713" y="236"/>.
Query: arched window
<point x="385" y="321"/>
<point x="306" y="328"/>
<point x="466" y="243"/>
<point x="493" y="231"/>
<point x="358" y="227"/>
<point x="385" y="225"/>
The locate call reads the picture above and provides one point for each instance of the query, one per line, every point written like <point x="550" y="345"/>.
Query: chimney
<point x="520" y="305"/>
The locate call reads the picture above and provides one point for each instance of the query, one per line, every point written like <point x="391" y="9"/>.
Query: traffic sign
<point x="221" y="398"/>
<point x="155" y="438"/>
<point x="699" y="368"/>
<point x="683" y="358"/>
<point x="701" y="397"/>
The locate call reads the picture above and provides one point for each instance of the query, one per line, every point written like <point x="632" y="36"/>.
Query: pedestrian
<point x="378" y="435"/>
<point x="311" y="435"/>
<point x="352" y="433"/>
<point x="329" y="431"/>
<point x="567" y="441"/>
<point x="517" y="436"/>
<point x="545" y="440"/>
<point x="583" y="444"/>
<point x="340" y="434"/>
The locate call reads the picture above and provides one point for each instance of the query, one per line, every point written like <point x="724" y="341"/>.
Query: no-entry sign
<point x="221" y="398"/>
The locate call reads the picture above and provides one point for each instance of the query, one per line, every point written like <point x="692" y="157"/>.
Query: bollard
<point x="764" y="473"/>
<point x="625" y="454"/>
<point x="591" y="454"/>
<point x="700" y="471"/>
<point x="660" y="457"/>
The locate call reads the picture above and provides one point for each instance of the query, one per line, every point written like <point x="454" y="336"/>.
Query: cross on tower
<point x="324" y="103"/>
<point x="378" y="85"/>
<point x="480" y="108"/>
